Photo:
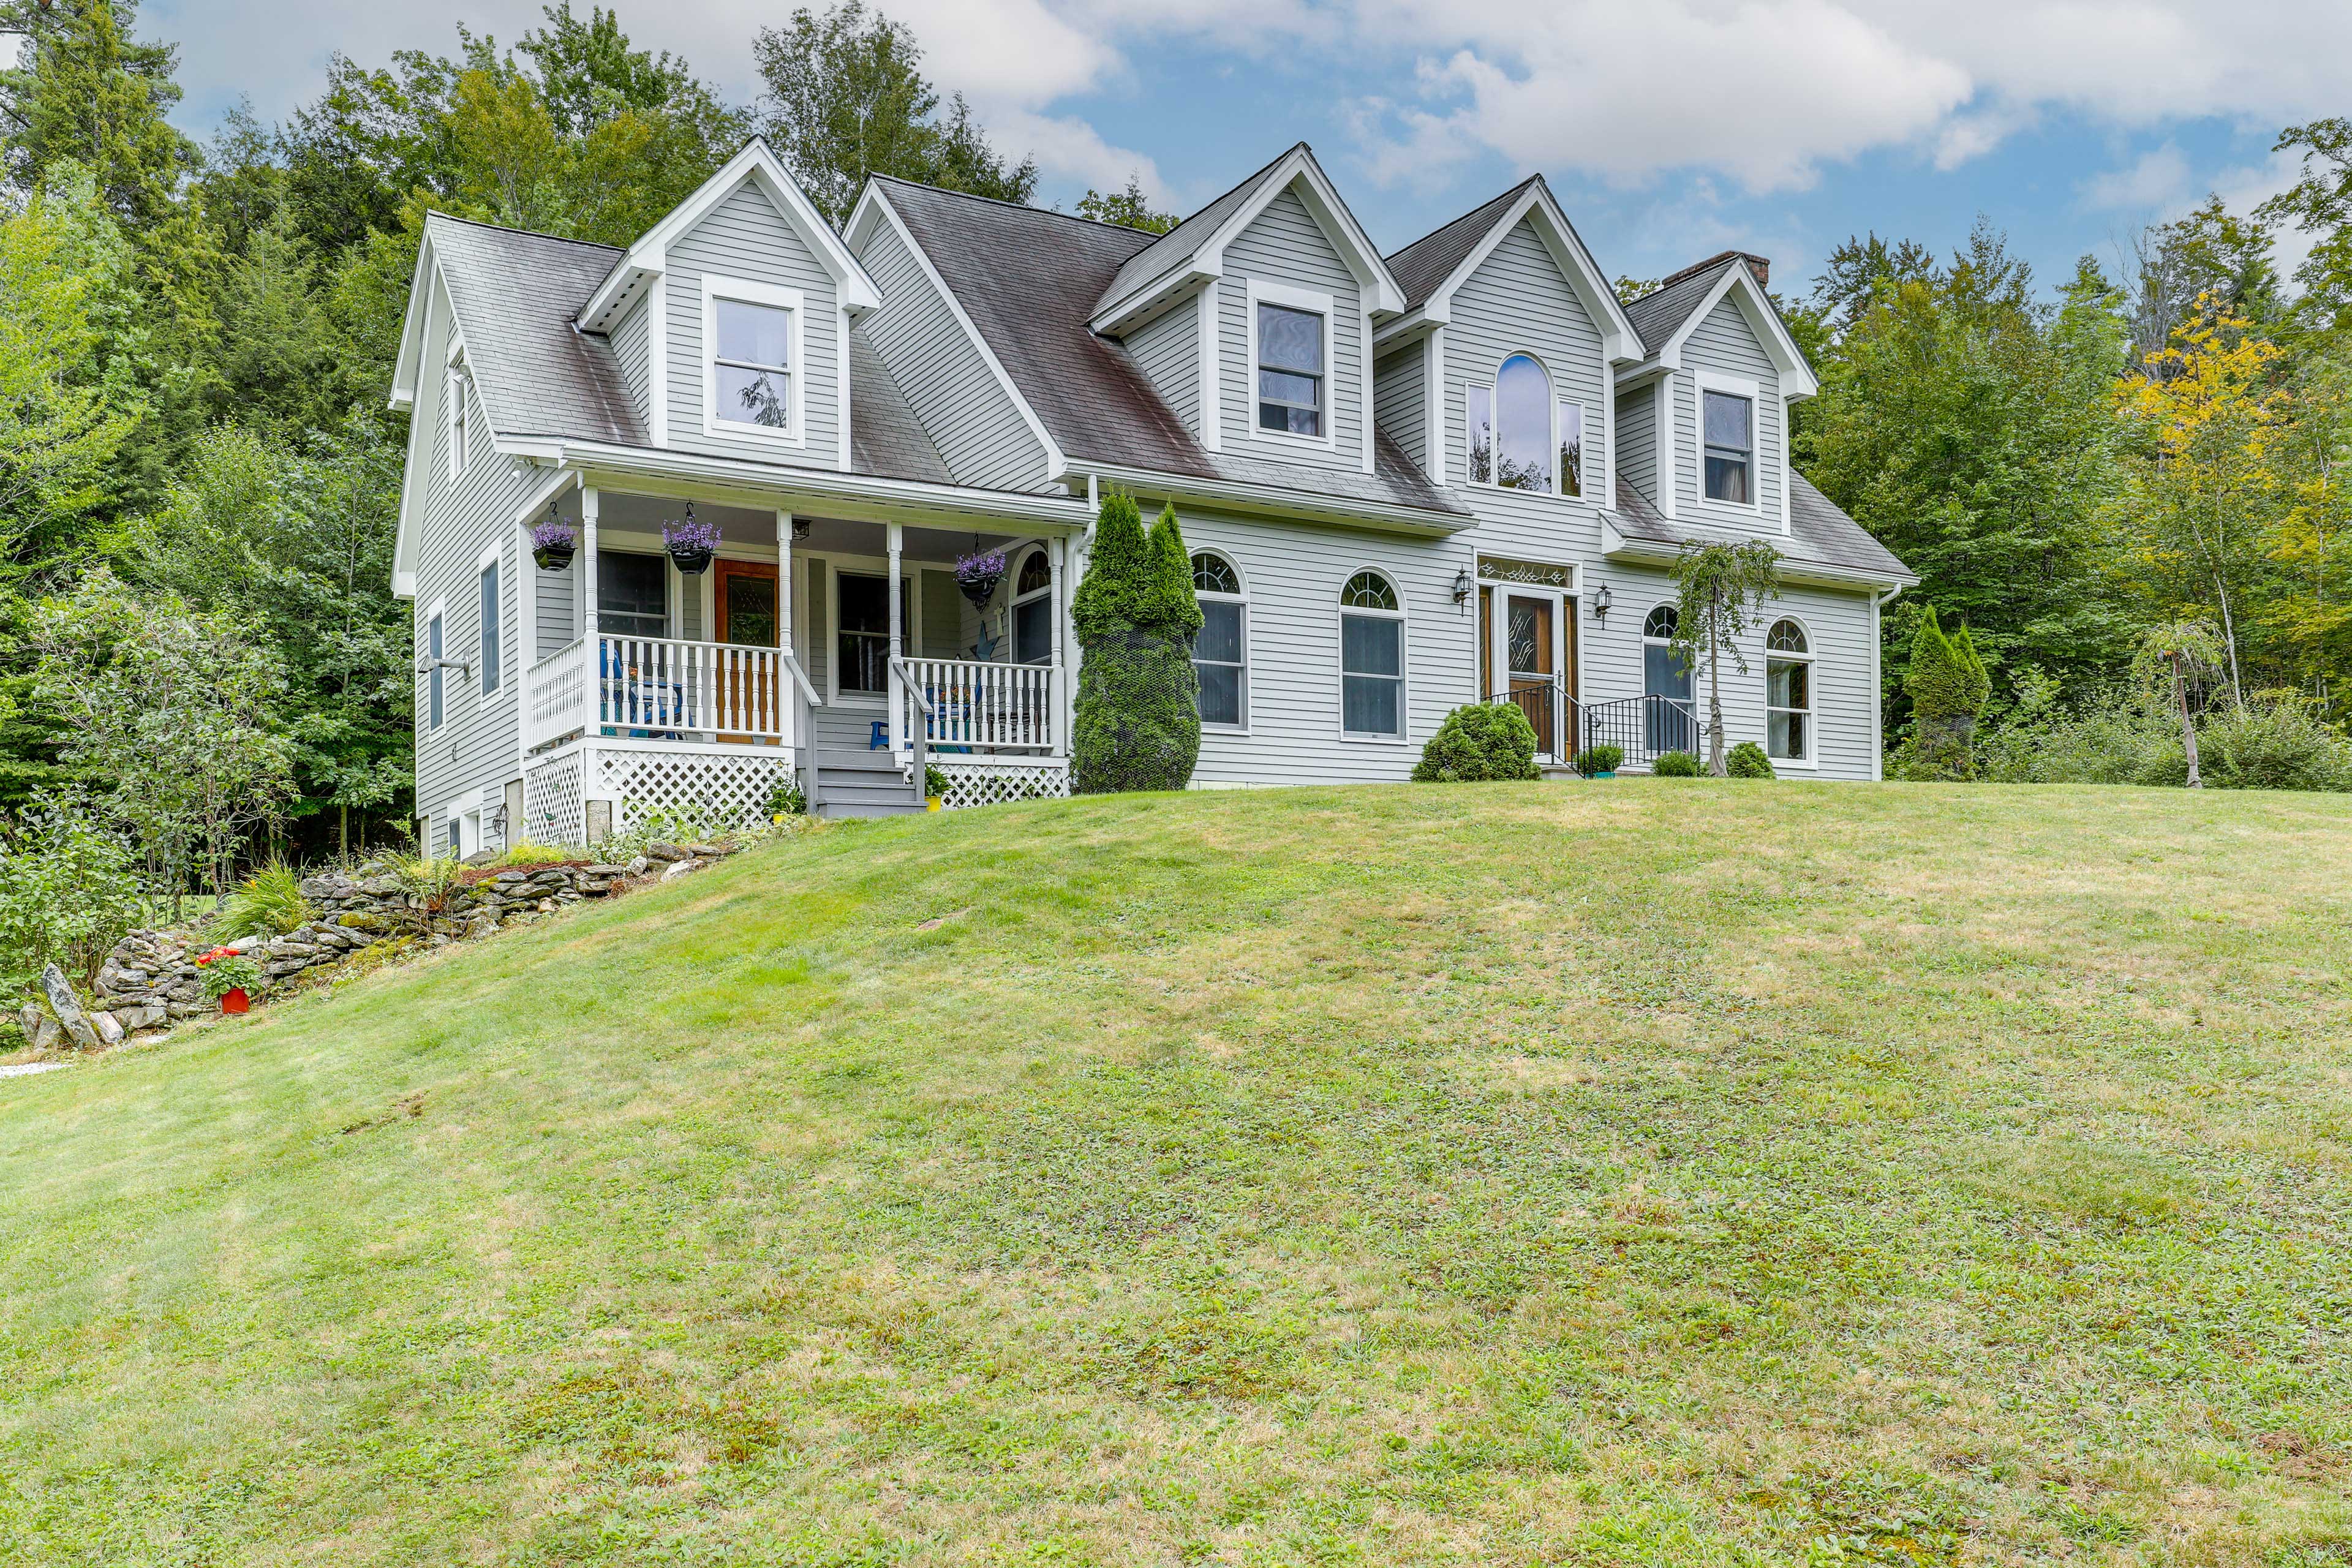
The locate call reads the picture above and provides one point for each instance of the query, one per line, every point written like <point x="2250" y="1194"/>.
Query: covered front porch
<point x="837" y="653"/>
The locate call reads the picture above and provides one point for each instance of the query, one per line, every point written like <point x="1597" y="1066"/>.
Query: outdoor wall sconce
<point x="1601" y="604"/>
<point x="1462" y="586"/>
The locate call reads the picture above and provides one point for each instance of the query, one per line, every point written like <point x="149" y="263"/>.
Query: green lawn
<point x="1657" y="1172"/>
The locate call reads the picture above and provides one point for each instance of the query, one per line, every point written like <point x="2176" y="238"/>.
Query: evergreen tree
<point x="1947" y="687"/>
<point x="1137" y="716"/>
<point x="85" y="90"/>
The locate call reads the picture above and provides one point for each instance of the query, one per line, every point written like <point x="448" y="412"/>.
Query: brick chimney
<point x="1761" y="265"/>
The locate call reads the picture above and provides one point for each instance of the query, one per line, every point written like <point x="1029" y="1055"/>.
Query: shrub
<point x="1477" y="743"/>
<point x="1747" y="761"/>
<point x="430" y="882"/>
<point x="787" y="799"/>
<point x="1137" y="721"/>
<point x="1948" y="686"/>
<point x="2133" y="737"/>
<point x="268" y="903"/>
<point x="69" y="892"/>
<point x="1675" y="765"/>
<point x="1596" y="760"/>
<point x="525" y="852"/>
<point x="2277" y="744"/>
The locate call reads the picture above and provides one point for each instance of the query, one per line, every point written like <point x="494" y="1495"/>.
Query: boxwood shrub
<point x="1479" y="741"/>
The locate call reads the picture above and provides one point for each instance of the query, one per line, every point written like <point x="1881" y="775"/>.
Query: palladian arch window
<point x="1788" y="692"/>
<point x="1523" y="410"/>
<point x="1371" y="658"/>
<point x="1221" y="648"/>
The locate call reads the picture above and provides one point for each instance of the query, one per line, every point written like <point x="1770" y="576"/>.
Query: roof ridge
<point x="1717" y="260"/>
<point x="526" y="233"/>
<point x="1017" y="206"/>
<point x="1466" y="213"/>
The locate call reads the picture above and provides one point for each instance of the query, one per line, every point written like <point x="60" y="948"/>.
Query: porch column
<point x="896" y="534"/>
<point x="788" y="692"/>
<point x="1055" y="550"/>
<point x="592" y="671"/>
<point x="526" y="642"/>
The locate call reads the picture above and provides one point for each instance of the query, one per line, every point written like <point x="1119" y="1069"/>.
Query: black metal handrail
<point x="1644" y="727"/>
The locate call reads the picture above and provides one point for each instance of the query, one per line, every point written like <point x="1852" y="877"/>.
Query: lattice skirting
<point x="728" y="790"/>
<point x="993" y="784"/>
<point x="551" y="802"/>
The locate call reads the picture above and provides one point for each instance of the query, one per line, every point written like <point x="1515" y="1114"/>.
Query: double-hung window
<point x="1293" y="377"/>
<point x="754" y="372"/>
<point x="432" y="682"/>
<point x="1731" y="435"/>
<point x="1371" y="658"/>
<point x="1221" y="648"/>
<point x="1787" y="693"/>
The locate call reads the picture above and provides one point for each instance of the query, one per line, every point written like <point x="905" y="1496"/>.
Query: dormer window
<point x="1520" y="436"/>
<point x="1730" y="434"/>
<point x="753" y="334"/>
<point x="1291" y="334"/>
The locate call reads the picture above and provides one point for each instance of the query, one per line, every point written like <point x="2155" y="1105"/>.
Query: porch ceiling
<point x="753" y="530"/>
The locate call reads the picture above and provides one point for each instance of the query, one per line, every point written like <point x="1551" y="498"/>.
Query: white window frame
<point x="746" y="291"/>
<point x="1585" y="449"/>
<point x="1405" y="656"/>
<point x="1021" y="555"/>
<point x="1810" y="658"/>
<point x="1239" y="598"/>
<point x="1314" y="303"/>
<point x="1470" y="391"/>
<point x="1703" y="383"/>
<point x="491" y="560"/>
<point x="433" y="672"/>
<point x="1559" y="399"/>
<point x="457" y="418"/>
<point x="836" y="564"/>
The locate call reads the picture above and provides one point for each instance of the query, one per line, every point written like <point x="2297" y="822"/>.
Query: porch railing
<point x="657" y="688"/>
<point x="994" y="707"/>
<point x="1644" y="728"/>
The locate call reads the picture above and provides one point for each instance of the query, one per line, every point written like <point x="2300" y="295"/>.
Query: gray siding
<point x="630" y="338"/>
<point x="475" y="748"/>
<point x="1724" y="342"/>
<point x="1283" y="245"/>
<point x="1518" y="302"/>
<point x="964" y="407"/>
<point x="558" y="596"/>
<point x="1637" y="439"/>
<point x="1168" y="350"/>
<point x="939" y="604"/>
<point x="1293" y="572"/>
<point x="1397" y="407"/>
<point x="744" y="237"/>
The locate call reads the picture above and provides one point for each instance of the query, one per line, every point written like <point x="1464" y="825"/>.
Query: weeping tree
<point x="1947" y="685"/>
<point x="2190" y="656"/>
<point x="1138" y="712"/>
<point x="1724" y="587"/>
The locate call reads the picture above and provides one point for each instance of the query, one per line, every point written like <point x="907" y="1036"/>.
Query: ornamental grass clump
<point x="1138" y="715"/>
<point x="1479" y="742"/>
<point x="268" y="903"/>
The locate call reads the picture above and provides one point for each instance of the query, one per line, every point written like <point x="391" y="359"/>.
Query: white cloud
<point x="2155" y="180"/>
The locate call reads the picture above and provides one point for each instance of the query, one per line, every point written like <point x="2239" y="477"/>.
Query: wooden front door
<point x="746" y="600"/>
<point x="1530" y="634"/>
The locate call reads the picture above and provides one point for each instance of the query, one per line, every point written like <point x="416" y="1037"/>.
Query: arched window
<point x="1032" y="610"/>
<point x="1668" y="722"/>
<point x="1221" y="650"/>
<point x="1788" y="692"/>
<point x="1371" y="658"/>
<point x="1523" y="411"/>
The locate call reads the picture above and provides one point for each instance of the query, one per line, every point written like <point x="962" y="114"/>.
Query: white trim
<point x="438" y="611"/>
<point x="1812" y="711"/>
<point x="728" y="480"/>
<point x="874" y="202"/>
<point x="1342" y="610"/>
<point x="1666" y="459"/>
<point x="747" y="291"/>
<point x="456" y="420"/>
<point x="1702" y="383"/>
<point x="493" y="556"/>
<point x="1587" y="482"/>
<point x="757" y="164"/>
<point x="1433" y="384"/>
<point x="1554" y="398"/>
<point x="412" y="499"/>
<point x="1563" y="601"/>
<point x="841" y="380"/>
<point x="1241" y="598"/>
<point x="1366" y="393"/>
<point x="1015" y="598"/>
<point x="1267" y="501"/>
<point x="658" y="358"/>
<point x="1213" y="382"/>
<point x="1763" y="321"/>
<point x="1619" y="341"/>
<point x="1314" y="302"/>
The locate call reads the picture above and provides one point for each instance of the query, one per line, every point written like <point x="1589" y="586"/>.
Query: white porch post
<point x="788" y="694"/>
<point x="526" y="646"/>
<point x="592" y="656"/>
<point x="1056" y="551"/>
<point x="896" y="534"/>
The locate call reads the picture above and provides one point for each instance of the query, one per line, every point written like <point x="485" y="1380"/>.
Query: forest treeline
<point x="196" y="339"/>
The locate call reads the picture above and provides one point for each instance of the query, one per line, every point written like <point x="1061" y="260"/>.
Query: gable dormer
<point x="1711" y="400"/>
<point x="1254" y="319"/>
<point x="1499" y="372"/>
<point x="731" y="320"/>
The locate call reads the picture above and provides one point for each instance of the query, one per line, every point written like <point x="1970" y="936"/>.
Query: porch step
<point x="854" y="785"/>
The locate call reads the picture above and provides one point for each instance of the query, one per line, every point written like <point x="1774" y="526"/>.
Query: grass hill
<point x="1661" y="1172"/>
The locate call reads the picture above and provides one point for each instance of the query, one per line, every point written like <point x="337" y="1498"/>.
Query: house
<point x="1459" y="472"/>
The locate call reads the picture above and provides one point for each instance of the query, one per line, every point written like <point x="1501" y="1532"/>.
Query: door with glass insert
<point x="747" y="602"/>
<point x="1530" y="654"/>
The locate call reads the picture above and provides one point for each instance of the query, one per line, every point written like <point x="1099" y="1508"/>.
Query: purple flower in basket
<point x="553" y="534"/>
<point x="983" y="570"/>
<point x="690" y="536"/>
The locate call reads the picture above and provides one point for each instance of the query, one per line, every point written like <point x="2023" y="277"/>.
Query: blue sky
<point x="1671" y="129"/>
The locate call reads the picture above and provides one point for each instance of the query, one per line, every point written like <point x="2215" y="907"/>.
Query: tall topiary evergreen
<point x="1947" y="685"/>
<point x="1139" y="717"/>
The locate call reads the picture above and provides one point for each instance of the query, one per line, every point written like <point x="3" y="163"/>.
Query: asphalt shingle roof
<point x="1659" y="314"/>
<point x="885" y="436"/>
<point x="1030" y="280"/>
<point x="1419" y="267"/>
<point x="1165" y="253"/>
<point x="515" y="295"/>
<point x="1820" y="532"/>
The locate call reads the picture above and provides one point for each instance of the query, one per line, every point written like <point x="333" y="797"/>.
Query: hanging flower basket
<point x="690" y="542"/>
<point x="553" y="544"/>
<point x="979" y="575"/>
